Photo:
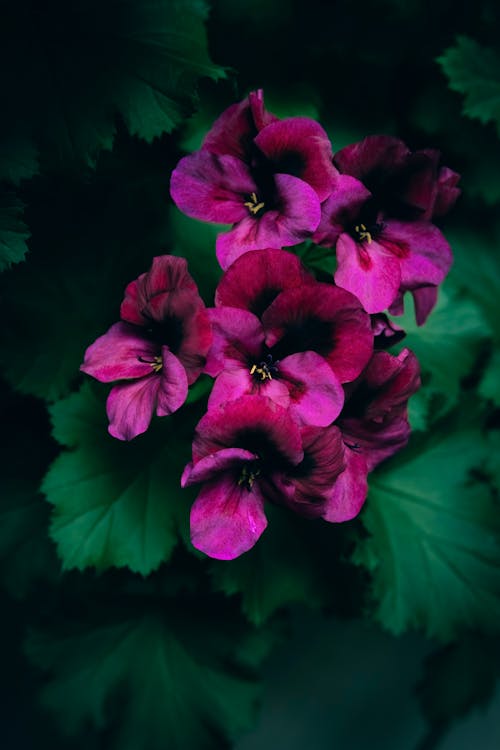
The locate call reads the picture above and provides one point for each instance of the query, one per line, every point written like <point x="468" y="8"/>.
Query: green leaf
<point x="88" y="241"/>
<point x="81" y="65"/>
<point x="18" y="160"/>
<point x="489" y="386"/>
<point x="474" y="71"/>
<point x="278" y="571"/>
<point x="434" y="537"/>
<point x="13" y="230"/>
<point x="458" y="678"/>
<point x="447" y="347"/>
<point x="116" y="503"/>
<point x="26" y="552"/>
<point x="149" y="680"/>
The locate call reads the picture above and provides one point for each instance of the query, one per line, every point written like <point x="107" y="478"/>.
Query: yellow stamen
<point x="363" y="232"/>
<point x="263" y="371"/>
<point x="254" y="205"/>
<point x="156" y="364"/>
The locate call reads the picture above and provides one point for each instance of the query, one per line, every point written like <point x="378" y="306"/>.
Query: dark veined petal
<point x="212" y="187"/>
<point x="299" y="146"/>
<point x="255" y="279"/>
<point x="234" y="130"/>
<point x="120" y="354"/>
<point x="324" y="319"/>
<point x="227" y="518"/>
<point x="173" y="389"/>
<point x="254" y="423"/>
<point x="130" y="407"/>
<point x="350" y="489"/>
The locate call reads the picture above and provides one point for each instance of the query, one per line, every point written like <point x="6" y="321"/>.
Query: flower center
<point x="264" y="370"/>
<point x="254" y="205"/>
<point x="248" y="476"/>
<point x="156" y="363"/>
<point x="363" y="233"/>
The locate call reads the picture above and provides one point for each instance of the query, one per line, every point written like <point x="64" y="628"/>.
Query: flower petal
<point x="234" y="130"/>
<point x="216" y="463"/>
<point x="430" y="256"/>
<point x="233" y="383"/>
<point x="298" y="216"/>
<point x="322" y="318"/>
<point x="116" y="355"/>
<point x="349" y="491"/>
<point x="254" y="423"/>
<point x="238" y="337"/>
<point x="173" y="388"/>
<point x="340" y="210"/>
<point x="256" y="278"/>
<point x="211" y="187"/>
<point x="299" y="146"/>
<point x="316" y="396"/>
<point x="227" y="519"/>
<point x="373" y="159"/>
<point x="369" y="271"/>
<point x="130" y="407"/>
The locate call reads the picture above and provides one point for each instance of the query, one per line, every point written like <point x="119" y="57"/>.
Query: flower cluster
<point x="306" y="401"/>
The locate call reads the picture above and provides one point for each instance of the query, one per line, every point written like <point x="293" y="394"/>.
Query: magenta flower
<point x="374" y="420"/>
<point x="265" y="177"/>
<point x="379" y="258"/>
<point x="242" y="452"/>
<point x="301" y="382"/>
<point x="405" y="184"/>
<point x="157" y="350"/>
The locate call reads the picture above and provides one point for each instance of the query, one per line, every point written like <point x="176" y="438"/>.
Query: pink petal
<point x="374" y="155"/>
<point x="297" y="217"/>
<point x="316" y="396"/>
<point x="115" y="355"/>
<point x="173" y="388"/>
<point x="349" y="491"/>
<point x="216" y="463"/>
<point x="256" y="278"/>
<point x="233" y="132"/>
<point x="322" y="318"/>
<point x="430" y="257"/>
<point x="130" y="407"/>
<point x="340" y="210"/>
<point x="231" y="384"/>
<point x="299" y="146"/>
<point x="227" y="519"/>
<point x="237" y="337"/>
<point x="369" y="271"/>
<point x="253" y="423"/>
<point x="211" y="187"/>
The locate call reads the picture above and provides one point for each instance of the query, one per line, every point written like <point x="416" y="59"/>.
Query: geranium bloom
<point x="247" y="452"/>
<point x="157" y="349"/>
<point x="374" y="420"/>
<point x="405" y="184"/>
<point x="268" y="181"/>
<point x="380" y="257"/>
<point x="302" y="382"/>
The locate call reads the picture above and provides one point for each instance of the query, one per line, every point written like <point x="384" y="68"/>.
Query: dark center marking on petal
<point x="168" y="332"/>
<point x="289" y="162"/>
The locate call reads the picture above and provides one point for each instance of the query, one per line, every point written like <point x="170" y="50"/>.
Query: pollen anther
<point x="363" y="232"/>
<point x="254" y="205"/>
<point x="248" y="477"/>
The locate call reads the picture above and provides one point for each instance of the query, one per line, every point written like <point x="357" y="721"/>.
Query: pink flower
<point x="267" y="177"/>
<point x="157" y="350"/>
<point x="379" y="257"/>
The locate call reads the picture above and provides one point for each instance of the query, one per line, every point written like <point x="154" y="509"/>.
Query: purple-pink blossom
<point x="266" y="177"/>
<point x="157" y="349"/>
